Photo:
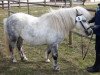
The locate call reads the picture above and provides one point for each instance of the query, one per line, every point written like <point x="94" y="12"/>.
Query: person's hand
<point x="95" y="28"/>
<point x="92" y="27"/>
<point x="89" y="21"/>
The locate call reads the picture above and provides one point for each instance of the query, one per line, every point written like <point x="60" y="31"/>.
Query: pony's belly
<point x="41" y="36"/>
<point x="35" y="40"/>
<point x="55" y="39"/>
<point x="43" y="39"/>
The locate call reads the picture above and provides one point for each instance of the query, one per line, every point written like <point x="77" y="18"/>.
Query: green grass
<point x="70" y="57"/>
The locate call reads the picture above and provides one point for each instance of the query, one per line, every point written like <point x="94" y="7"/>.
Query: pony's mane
<point x="63" y="19"/>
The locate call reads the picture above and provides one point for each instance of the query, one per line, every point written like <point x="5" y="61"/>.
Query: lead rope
<point x="83" y="56"/>
<point x="82" y="46"/>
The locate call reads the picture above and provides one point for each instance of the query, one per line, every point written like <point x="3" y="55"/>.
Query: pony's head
<point x="81" y="21"/>
<point x="84" y="12"/>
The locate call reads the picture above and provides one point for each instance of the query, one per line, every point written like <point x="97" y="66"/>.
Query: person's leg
<point x="96" y="66"/>
<point x="97" y="62"/>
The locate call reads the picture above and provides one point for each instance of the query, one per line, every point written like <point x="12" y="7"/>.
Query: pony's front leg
<point x="55" y="56"/>
<point x="48" y="51"/>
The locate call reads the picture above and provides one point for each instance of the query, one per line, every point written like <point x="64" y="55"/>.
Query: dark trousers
<point x="97" y="48"/>
<point x="97" y="45"/>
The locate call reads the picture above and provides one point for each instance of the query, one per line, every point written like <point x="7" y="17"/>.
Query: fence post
<point x="65" y="2"/>
<point x="44" y="2"/>
<point x="2" y="4"/>
<point x="55" y="2"/>
<point x="70" y="38"/>
<point x="71" y="3"/>
<point x="28" y="5"/>
<point x="9" y="7"/>
<point x="19" y="4"/>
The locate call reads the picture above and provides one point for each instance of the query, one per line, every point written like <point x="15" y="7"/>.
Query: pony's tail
<point x="6" y="35"/>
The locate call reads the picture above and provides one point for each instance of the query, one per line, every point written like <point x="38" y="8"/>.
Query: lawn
<point x="70" y="57"/>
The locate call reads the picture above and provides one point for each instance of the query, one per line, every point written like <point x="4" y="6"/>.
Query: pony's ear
<point x="77" y="13"/>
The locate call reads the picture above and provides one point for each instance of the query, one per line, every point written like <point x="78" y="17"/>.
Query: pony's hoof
<point x="56" y="68"/>
<point x="47" y="61"/>
<point x="24" y="59"/>
<point x="14" y="61"/>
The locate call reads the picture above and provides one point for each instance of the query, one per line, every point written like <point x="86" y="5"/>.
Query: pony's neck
<point x="62" y="20"/>
<point x="68" y="18"/>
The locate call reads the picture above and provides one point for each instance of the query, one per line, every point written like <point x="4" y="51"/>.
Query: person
<point x="96" y="31"/>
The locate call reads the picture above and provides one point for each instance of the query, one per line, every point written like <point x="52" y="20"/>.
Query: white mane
<point x="63" y="19"/>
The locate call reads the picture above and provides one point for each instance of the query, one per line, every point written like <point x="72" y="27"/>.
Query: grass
<point x="70" y="57"/>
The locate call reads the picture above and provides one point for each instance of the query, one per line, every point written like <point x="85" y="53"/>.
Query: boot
<point x="93" y="69"/>
<point x="96" y="66"/>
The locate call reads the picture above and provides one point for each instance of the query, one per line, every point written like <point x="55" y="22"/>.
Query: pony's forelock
<point x="83" y="11"/>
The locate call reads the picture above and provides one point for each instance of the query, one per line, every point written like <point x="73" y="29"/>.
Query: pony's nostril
<point x="87" y="33"/>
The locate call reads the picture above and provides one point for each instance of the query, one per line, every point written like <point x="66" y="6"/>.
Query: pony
<point x="50" y="28"/>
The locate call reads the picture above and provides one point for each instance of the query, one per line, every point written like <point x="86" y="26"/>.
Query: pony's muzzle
<point x="88" y="31"/>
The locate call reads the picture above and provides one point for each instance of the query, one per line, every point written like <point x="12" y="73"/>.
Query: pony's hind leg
<point x="19" y="46"/>
<point x="48" y="51"/>
<point x="12" y="44"/>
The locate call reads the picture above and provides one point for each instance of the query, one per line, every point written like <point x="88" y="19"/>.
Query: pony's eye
<point x="84" y="20"/>
<point x="78" y="18"/>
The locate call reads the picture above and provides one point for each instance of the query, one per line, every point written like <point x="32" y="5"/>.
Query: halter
<point x="79" y="18"/>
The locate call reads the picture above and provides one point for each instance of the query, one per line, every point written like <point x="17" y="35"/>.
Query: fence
<point x="19" y="2"/>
